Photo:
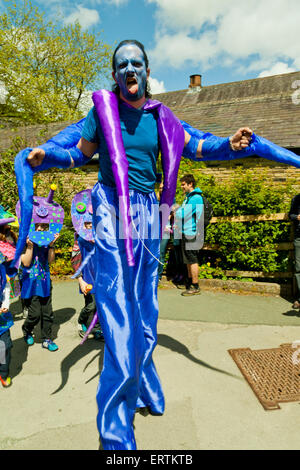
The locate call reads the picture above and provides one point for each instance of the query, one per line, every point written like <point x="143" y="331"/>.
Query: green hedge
<point x="249" y="245"/>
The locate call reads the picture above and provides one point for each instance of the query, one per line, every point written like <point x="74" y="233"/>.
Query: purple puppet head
<point x="49" y="214"/>
<point x="82" y="214"/>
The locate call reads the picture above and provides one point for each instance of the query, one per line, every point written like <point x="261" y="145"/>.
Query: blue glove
<point x="59" y="157"/>
<point x="265" y="148"/>
<point x="58" y="153"/>
<point x="213" y="147"/>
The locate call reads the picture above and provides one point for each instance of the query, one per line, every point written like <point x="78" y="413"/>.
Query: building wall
<point x="277" y="173"/>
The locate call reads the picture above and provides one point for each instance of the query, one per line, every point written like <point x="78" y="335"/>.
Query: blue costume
<point x="36" y="278"/>
<point x="127" y="243"/>
<point x="36" y="288"/>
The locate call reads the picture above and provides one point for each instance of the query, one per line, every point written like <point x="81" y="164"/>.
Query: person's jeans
<point x="297" y="264"/>
<point x="163" y="250"/>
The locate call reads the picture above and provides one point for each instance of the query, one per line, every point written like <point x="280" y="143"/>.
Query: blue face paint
<point x="131" y="72"/>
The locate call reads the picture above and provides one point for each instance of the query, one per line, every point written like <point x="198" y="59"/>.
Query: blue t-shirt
<point x="36" y="279"/>
<point x="140" y="137"/>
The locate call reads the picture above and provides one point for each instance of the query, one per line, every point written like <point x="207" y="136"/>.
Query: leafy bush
<point x="248" y="245"/>
<point x="61" y="267"/>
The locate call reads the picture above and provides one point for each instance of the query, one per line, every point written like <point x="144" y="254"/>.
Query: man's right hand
<point x="36" y="157"/>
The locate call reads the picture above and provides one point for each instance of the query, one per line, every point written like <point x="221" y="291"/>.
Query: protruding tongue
<point x="132" y="87"/>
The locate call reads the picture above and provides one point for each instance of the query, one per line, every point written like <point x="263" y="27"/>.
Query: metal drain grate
<point x="273" y="374"/>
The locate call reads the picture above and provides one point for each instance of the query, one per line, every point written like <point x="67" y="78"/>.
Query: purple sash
<point x="171" y="136"/>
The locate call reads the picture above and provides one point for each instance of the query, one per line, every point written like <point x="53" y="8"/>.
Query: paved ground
<point x="51" y="404"/>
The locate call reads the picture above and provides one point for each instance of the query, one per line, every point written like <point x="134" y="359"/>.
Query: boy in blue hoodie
<point x="189" y="221"/>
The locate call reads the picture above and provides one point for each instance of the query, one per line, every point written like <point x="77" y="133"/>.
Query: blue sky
<point x="223" y="40"/>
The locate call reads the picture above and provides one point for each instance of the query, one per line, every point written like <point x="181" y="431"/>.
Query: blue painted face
<point x="131" y="72"/>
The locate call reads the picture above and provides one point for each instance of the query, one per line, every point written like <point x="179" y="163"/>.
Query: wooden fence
<point x="283" y="246"/>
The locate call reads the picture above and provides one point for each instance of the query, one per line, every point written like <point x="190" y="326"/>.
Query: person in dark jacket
<point x="294" y="216"/>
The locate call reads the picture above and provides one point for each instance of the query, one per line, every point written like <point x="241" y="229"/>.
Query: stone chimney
<point x="195" y="81"/>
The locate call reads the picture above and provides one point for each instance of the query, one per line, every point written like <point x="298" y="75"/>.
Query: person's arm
<point x="5" y="299"/>
<point x="86" y="147"/>
<point x="51" y="252"/>
<point x="61" y="152"/>
<point x="84" y="286"/>
<point x="212" y="144"/>
<point x="26" y="258"/>
<point x="294" y="209"/>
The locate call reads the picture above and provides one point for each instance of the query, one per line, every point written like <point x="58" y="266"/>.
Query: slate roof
<point x="264" y="104"/>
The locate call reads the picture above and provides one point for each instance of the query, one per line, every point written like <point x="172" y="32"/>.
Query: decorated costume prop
<point x="6" y="217"/>
<point x="45" y="211"/>
<point x="81" y="213"/>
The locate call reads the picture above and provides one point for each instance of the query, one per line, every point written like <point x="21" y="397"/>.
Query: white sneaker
<point x="25" y="312"/>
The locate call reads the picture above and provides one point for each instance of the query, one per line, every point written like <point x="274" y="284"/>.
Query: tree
<point x="45" y="67"/>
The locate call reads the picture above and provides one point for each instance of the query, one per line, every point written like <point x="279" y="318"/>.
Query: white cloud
<point x="86" y="17"/>
<point x="277" y="69"/>
<point x="250" y="35"/>
<point x="176" y="49"/>
<point x="117" y="2"/>
<point x="110" y="2"/>
<point x="156" y="86"/>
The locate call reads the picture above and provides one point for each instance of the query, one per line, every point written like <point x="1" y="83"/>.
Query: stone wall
<point x="279" y="174"/>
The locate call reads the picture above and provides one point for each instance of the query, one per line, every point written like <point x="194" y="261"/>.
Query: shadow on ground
<point x="174" y="345"/>
<point x="20" y="348"/>
<point x="91" y="345"/>
<point x="292" y="313"/>
<point x="76" y="355"/>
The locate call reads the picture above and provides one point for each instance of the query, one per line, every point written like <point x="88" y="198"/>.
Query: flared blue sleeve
<point x="59" y="152"/>
<point x="218" y="148"/>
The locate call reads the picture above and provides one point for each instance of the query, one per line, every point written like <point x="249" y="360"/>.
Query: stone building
<point x="269" y="105"/>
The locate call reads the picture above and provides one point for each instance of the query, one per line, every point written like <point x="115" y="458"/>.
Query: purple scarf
<point x="171" y="136"/>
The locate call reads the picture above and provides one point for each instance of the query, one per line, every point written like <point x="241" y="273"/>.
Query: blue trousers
<point x="127" y="307"/>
